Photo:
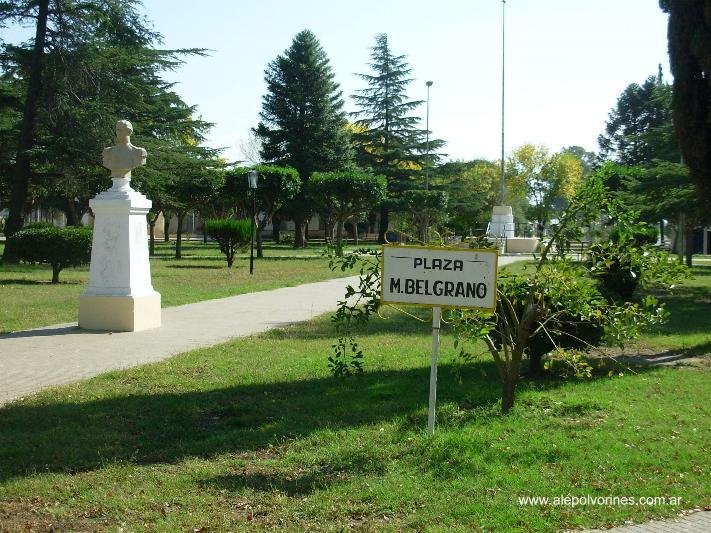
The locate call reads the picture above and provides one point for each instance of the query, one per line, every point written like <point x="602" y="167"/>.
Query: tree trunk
<point x="20" y="180"/>
<point x="73" y="219"/>
<point x="276" y="223"/>
<point x="204" y="231"/>
<point x="56" y="268"/>
<point x="661" y="231"/>
<point x="355" y="231"/>
<point x="384" y="222"/>
<point x="166" y="227"/>
<point x="688" y="244"/>
<point x="339" y="237"/>
<point x="152" y="238"/>
<point x="508" y="392"/>
<point x="299" y="233"/>
<point x="179" y="237"/>
<point x="260" y="249"/>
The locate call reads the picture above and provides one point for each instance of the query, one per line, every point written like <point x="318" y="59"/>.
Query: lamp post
<point x="252" y="180"/>
<point x="427" y="137"/>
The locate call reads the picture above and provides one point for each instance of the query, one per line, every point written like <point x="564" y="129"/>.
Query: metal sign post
<point x="436" y="319"/>
<point x="436" y="278"/>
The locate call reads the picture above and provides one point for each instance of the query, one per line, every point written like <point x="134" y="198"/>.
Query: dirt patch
<point x="34" y="518"/>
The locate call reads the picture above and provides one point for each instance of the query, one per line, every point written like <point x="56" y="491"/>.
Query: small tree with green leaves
<point x="276" y="185"/>
<point x="231" y="235"/>
<point x="346" y="194"/>
<point x="423" y="209"/>
<point x="59" y="247"/>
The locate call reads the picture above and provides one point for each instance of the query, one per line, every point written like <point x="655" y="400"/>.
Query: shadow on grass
<point x="168" y="427"/>
<point x="45" y="283"/>
<point x="202" y="267"/>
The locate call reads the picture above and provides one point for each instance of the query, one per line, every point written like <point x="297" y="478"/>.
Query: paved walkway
<point x="699" y="522"/>
<point x="35" y="359"/>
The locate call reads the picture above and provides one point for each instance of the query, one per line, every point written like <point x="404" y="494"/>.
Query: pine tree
<point x="89" y="64"/>
<point x="386" y="133"/>
<point x="639" y="127"/>
<point x="303" y="124"/>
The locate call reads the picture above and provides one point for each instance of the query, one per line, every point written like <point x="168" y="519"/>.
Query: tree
<point x="639" y="127"/>
<point x="276" y="186"/>
<point x="231" y="235"/>
<point x="302" y="122"/>
<point x="472" y="188"/>
<point x="664" y="191"/>
<point x="60" y="247"/>
<point x="90" y="64"/>
<point x="386" y="134"/>
<point x="689" y="36"/>
<point x="546" y="179"/>
<point x="422" y="209"/>
<point x="345" y="194"/>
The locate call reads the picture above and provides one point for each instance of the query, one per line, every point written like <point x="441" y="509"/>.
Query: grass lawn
<point x="29" y="300"/>
<point x="255" y="434"/>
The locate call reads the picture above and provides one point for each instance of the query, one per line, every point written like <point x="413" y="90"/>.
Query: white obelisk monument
<point x="120" y="296"/>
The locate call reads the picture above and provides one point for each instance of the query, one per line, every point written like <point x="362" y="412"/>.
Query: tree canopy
<point x="302" y="122"/>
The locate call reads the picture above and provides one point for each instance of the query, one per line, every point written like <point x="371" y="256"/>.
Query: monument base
<point x="119" y="313"/>
<point x="502" y="222"/>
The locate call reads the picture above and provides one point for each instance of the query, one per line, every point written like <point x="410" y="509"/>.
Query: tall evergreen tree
<point x="386" y="133"/>
<point x="303" y="124"/>
<point x="689" y="36"/>
<point x="89" y="64"/>
<point x="639" y="127"/>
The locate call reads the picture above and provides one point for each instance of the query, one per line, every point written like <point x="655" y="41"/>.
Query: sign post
<point x="436" y="278"/>
<point x="436" y="318"/>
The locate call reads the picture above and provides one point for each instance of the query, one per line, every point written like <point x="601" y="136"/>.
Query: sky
<point x="567" y="61"/>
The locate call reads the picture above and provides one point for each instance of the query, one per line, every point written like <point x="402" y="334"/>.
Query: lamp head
<point x="252" y="179"/>
<point x="429" y="83"/>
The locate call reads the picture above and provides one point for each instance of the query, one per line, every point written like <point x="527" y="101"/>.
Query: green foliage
<point x="302" y="122"/>
<point x="60" y="247"/>
<point x="231" y="235"/>
<point x="568" y="364"/>
<point x="357" y="306"/>
<point x="40" y="224"/>
<point x="472" y="188"/>
<point x="342" y="195"/>
<point x="689" y="36"/>
<point x="639" y="127"/>
<point x="422" y="209"/>
<point x="386" y="133"/>
<point x="98" y="64"/>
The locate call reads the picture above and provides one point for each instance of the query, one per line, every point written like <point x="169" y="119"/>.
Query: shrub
<point x="639" y="234"/>
<point x="230" y="234"/>
<point x="571" y="296"/>
<point x="41" y="224"/>
<point x="59" y="247"/>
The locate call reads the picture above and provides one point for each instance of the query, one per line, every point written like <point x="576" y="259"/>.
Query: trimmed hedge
<point x="230" y="234"/>
<point x="59" y="247"/>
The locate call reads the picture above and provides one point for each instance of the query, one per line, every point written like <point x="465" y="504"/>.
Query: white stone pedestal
<point x="502" y="222"/>
<point x="120" y="296"/>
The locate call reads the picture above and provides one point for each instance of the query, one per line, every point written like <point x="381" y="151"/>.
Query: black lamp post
<point x="252" y="180"/>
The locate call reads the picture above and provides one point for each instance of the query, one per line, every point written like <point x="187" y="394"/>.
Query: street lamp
<point x="427" y="136"/>
<point x="252" y="180"/>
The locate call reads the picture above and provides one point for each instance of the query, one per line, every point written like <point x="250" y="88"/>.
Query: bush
<point x="230" y="234"/>
<point x="38" y="225"/>
<point x="59" y="247"/>
<point x="638" y="235"/>
<point x="566" y="288"/>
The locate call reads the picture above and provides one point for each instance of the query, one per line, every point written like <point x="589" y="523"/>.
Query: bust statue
<point x="123" y="157"/>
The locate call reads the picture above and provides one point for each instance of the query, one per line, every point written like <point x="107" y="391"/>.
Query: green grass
<point x="29" y="300"/>
<point x="255" y="434"/>
<point x="689" y="327"/>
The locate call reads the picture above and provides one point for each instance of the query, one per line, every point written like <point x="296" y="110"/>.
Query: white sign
<point x="442" y="277"/>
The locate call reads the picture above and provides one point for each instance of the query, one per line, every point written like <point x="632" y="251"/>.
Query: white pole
<point x="436" y="317"/>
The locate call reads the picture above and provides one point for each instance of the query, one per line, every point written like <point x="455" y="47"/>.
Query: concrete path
<point x="35" y="359"/>
<point x="698" y="522"/>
